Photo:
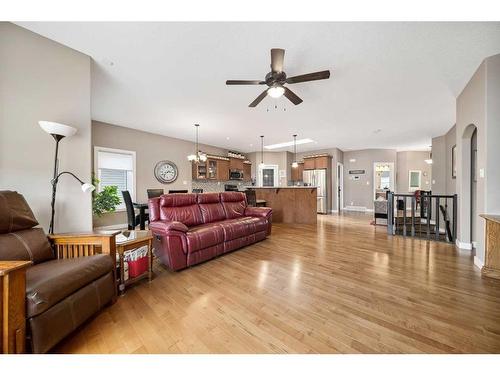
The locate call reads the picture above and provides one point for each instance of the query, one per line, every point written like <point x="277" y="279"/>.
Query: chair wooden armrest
<point x="13" y="306"/>
<point x="74" y="245"/>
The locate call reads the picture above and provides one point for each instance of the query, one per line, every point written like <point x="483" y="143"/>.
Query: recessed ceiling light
<point x="287" y="144"/>
<point x="352" y="160"/>
<point x="227" y="138"/>
<point x="251" y="144"/>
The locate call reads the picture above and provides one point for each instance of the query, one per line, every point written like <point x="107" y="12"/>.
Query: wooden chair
<point x="154" y="193"/>
<point x="252" y="199"/>
<point x="133" y="219"/>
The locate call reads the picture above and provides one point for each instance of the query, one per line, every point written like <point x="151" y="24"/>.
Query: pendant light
<point x="198" y="155"/>
<point x="262" y="151"/>
<point x="295" y="164"/>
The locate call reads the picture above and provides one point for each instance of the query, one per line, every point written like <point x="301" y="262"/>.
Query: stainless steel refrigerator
<point x="317" y="177"/>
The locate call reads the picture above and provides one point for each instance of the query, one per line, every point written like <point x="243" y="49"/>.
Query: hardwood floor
<point x="341" y="287"/>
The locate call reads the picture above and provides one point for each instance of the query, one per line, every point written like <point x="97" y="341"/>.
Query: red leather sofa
<point x="192" y="228"/>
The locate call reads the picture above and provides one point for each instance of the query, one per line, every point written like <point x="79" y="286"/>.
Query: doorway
<point x="339" y="187"/>
<point x="383" y="179"/>
<point x="473" y="188"/>
<point x="467" y="178"/>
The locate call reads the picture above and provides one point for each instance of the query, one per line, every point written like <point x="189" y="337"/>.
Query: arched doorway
<point x="468" y="182"/>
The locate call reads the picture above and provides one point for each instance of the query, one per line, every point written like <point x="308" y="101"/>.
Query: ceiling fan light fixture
<point x="275" y="91"/>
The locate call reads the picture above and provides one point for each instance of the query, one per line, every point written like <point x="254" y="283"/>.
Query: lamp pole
<point x="57" y="137"/>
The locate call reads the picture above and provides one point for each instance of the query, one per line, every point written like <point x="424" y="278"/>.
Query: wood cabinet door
<point x="212" y="169"/>
<point x="309" y="164"/>
<point x="235" y="163"/>
<point x="247" y="172"/>
<point x="322" y="162"/>
<point x="222" y="170"/>
<point x="295" y="174"/>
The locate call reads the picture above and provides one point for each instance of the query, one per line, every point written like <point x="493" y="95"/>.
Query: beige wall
<point x="43" y="80"/>
<point x="442" y="180"/>
<point x="359" y="193"/>
<point x="410" y="161"/>
<point x="150" y="148"/>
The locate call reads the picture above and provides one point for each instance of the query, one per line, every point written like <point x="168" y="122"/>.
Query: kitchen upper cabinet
<point x="212" y="169"/>
<point x="247" y="172"/>
<point x="199" y="170"/>
<point x="297" y="173"/>
<point x="319" y="162"/>
<point x="223" y="170"/>
<point x="309" y="164"/>
<point x="236" y="164"/>
<point x="322" y="162"/>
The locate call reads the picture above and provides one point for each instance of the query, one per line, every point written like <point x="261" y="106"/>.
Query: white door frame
<point x="339" y="182"/>
<point x="268" y="166"/>
<point x="393" y="186"/>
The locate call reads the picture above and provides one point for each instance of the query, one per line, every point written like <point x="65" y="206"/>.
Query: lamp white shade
<point x="295" y="164"/>
<point x="57" y="129"/>
<point x="87" y="188"/>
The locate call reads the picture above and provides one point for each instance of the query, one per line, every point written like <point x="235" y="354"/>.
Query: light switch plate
<point x="481" y="172"/>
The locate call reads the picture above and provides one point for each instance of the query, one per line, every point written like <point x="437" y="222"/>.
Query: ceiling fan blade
<point x="258" y="99"/>
<point x="325" y="74"/>
<point x="243" y="82"/>
<point x="277" y="56"/>
<point x="291" y="96"/>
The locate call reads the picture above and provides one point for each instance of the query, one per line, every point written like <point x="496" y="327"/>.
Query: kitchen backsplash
<point x="218" y="186"/>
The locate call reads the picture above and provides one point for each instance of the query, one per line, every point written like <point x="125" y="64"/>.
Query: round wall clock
<point x="166" y="171"/>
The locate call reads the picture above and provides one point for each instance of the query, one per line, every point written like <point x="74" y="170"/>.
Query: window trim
<point x="97" y="149"/>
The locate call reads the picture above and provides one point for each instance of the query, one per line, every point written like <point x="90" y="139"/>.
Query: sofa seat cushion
<point x="203" y="236"/>
<point x="49" y="282"/>
<point x="241" y="227"/>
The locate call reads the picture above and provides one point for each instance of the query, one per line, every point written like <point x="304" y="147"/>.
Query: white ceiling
<point x="402" y="78"/>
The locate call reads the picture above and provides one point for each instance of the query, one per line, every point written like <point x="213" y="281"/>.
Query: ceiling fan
<point x="276" y="79"/>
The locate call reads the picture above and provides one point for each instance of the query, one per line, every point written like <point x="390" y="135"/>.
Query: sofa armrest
<point x="13" y="306"/>
<point x="258" y="211"/>
<point x="163" y="227"/>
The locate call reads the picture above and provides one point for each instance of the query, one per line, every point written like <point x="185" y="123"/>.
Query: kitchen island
<point x="290" y="204"/>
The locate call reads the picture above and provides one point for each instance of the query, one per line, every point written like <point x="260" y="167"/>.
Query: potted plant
<point x="104" y="201"/>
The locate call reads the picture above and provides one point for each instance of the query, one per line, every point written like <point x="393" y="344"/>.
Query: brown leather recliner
<point x="63" y="288"/>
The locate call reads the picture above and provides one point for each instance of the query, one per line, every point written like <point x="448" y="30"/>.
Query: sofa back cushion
<point x="180" y="207"/>
<point x="15" y="214"/>
<point x="211" y="208"/>
<point x="234" y="204"/>
<point x="27" y="244"/>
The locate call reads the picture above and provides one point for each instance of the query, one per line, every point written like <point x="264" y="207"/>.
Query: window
<point x="114" y="167"/>
<point x="414" y="180"/>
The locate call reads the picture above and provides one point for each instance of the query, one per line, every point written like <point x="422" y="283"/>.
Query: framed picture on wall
<point x="454" y="162"/>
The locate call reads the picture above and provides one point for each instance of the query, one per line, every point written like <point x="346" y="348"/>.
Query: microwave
<point x="235" y="175"/>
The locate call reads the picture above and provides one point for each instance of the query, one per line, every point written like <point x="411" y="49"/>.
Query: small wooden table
<point x="492" y="246"/>
<point x="133" y="239"/>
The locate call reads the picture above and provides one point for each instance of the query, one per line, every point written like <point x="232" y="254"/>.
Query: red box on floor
<point x="138" y="267"/>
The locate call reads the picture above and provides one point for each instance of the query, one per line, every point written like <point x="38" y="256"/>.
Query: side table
<point x="133" y="239"/>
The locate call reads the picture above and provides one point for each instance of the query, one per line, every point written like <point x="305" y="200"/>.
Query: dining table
<point x="142" y="207"/>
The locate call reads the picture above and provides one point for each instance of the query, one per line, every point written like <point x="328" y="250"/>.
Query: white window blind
<point x="116" y="169"/>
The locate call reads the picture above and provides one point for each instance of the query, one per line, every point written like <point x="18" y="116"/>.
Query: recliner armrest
<point x="167" y="226"/>
<point x="258" y="211"/>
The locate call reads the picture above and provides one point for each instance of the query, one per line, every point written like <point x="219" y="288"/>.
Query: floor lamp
<point x="58" y="132"/>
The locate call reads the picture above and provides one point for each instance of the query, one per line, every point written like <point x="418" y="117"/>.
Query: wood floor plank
<point x="343" y="286"/>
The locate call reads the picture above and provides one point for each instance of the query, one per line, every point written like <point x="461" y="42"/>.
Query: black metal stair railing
<point x="425" y="216"/>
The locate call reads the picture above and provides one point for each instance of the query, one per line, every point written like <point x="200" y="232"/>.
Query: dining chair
<point x="197" y="191"/>
<point x="154" y="193"/>
<point x="252" y="200"/>
<point x="177" y="191"/>
<point x="132" y="219"/>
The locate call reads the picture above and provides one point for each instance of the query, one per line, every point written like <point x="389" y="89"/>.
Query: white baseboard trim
<point x="358" y="209"/>
<point x="113" y="227"/>
<point x="463" y="245"/>
<point x="478" y="262"/>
